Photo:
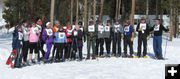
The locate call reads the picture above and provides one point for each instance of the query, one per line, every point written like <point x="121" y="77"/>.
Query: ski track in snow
<point x="104" y="68"/>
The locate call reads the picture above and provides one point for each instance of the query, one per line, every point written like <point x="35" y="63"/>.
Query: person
<point x="48" y="37"/>
<point x="25" y="48"/>
<point x="82" y="29"/>
<point x="77" y="42"/>
<point x="108" y="37"/>
<point x="60" y="39"/>
<point x="100" y="40"/>
<point x="143" y="35"/>
<point x="157" y="39"/>
<point x="128" y="39"/>
<point x="69" y="41"/>
<point x="40" y="41"/>
<point x="117" y="35"/>
<point x="55" y="29"/>
<point x="91" y="38"/>
<point x="17" y="44"/>
<point x="33" y="42"/>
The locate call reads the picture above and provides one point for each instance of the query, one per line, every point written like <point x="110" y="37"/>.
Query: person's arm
<point x="147" y="29"/>
<point x="165" y="29"/>
<point x="137" y="28"/>
<point x="44" y="35"/>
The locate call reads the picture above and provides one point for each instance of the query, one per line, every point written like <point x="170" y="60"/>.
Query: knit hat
<point x="48" y="23"/>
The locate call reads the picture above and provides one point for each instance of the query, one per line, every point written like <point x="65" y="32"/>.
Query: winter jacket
<point x="48" y="35"/>
<point x="25" y="33"/>
<point x="17" y="39"/>
<point x="128" y="30"/>
<point x="117" y="28"/>
<point x="60" y="37"/>
<point x="55" y="29"/>
<point x="144" y="27"/>
<point x="107" y="31"/>
<point x="69" y="35"/>
<point x="33" y="35"/>
<point x="78" y="34"/>
<point x="100" y="31"/>
<point x="158" y="30"/>
<point x="91" y="31"/>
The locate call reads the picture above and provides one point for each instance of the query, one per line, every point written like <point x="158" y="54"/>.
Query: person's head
<point x="25" y="22"/>
<point x="60" y="28"/>
<point x="116" y="21"/>
<point x="38" y="21"/>
<point x="80" y="23"/>
<point x="157" y="22"/>
<point x="91" y="22"/>
<point x="143" y="20"/>
<point x="48" y="25"/>
<point x="57" y="23"/>
<point x="20" y="29"/>
<point x="108" y="22"/>
<point x="127" y="23"/>
<point x="100" y="23"/>
<point x="77" y="27"/>
<point x="33" y="24"/>
<point x="69" y="25"/>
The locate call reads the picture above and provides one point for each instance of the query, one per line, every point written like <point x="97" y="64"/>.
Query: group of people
<point x="67" y="42"/>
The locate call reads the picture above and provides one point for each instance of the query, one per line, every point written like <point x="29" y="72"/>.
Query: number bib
<point x="156" y="28"/>
<point x="26" y="31"/>
<point x="91" y="28"/>
<point x="61" y="35"/>
<point x="143" y="26"/>
<point x="20" y="35"/>
<point x="35" y="30"/>
<point x="49" y="32"/>
<point x="75" y="33"/>
<point x="107" y="28"/>
<point x="116" y="28"/>
<point x="126" y="28"/>
<point x="100" y="28"/>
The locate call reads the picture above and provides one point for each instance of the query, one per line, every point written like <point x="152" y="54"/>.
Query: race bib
<point x="75" y="33"/>
<point x="61" y="35"/>
<point x="126" y="28"/>
<point x="116" y="27"/>
<point x="49" y="32"/>
<point x="143" y="26"/>
<point x="26" y="31"/>
<point x="107" y="28"/>
<point x="156" y="28"/>
<point x="20" y="35"/>
<point x="39" y="28"/>
<point x="91" y="28"/>
<point x="100" y="28"/>
<point x="69" y="32"/>
<point x="35" y="30"/>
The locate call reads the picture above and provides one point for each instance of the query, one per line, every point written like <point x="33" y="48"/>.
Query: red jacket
<point x="69" y="35"/>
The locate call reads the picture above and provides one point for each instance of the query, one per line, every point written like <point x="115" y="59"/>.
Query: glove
<point x="148" y="37"/>
<point x="122" y="36"/>
<point x="140" y="29"/>
<point x="47" y="37"/>
<point x="132" y="39"/>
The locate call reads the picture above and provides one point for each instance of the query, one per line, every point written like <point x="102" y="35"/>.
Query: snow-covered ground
<point x="104" y="68"/>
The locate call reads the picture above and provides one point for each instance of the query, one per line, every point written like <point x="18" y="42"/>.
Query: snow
<point x="103" y="68"/>
<point x="2" y="21"/>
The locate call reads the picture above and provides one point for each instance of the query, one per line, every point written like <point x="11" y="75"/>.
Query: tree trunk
<point x="52" y="11"/>
<point x="157" y="2"/>
<point x="119" y="10"/>
<point x="85" y="14"/>
<point x="116" y="15"/>
<point x="133" y="12"/>
<point x="94" y="11"/>
<point x="71" y="21"/>
<point x="89" y="12"/>
<point x="101" y="11"/>
<point x="147" y="11"/>
<point x="171" y="22"/>
<point x="77" y="11"/>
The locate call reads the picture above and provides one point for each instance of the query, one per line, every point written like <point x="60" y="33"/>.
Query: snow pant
<point x="91" y="43"/>
<point x="59" y="50"/>
<point x="76" y="48"/>
<point x="100" y="42"/>
<point x="17" y="63"/>
<point x="117" y="43"/>
<point x="33" y="48"/>
<point x="108" y="45"/>
<point x="157" y="43"/>
<point x="49" y="46"/>
<point x="24" y="52"/>
<point x="142" y="39"/>
<point x="67" y="50"/>
<point x="127" y="41"/>
<point x="40" y="48"/>
<point x="54" y="49"/>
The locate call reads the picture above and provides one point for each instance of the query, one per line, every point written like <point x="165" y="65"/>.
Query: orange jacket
<point x="55" y="29"/>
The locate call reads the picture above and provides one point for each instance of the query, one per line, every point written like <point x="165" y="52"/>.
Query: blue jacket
<point x="60" y="37"/>
<point x="16" y="42"/>
<point x="128" y="30"/>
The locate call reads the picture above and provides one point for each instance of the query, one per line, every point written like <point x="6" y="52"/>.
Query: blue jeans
<point x="157" y="45"/>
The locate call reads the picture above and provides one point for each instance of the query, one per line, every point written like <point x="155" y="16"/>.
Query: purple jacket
<point x="48" y="35"/>
<point x="79" y="37"/>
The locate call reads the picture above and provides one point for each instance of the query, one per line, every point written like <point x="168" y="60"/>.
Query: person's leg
<point x="88" y="47"/>
<point x="145" y="46"/>
<point x="101" y="47"/>
<point x="125" y="46"/>
<point x="93" y="47"/>
<point x="130" y="43"/>
<point x="97" y="47"/>
<point x="155" y="46"/>
<point x="17" y="57"/>
<point x="53" y="52"/>
<point x="159" y="46"/>
<point x="114" y="45"/>
<point x="139" y="46"/>
<point x="57" y="51"/>
<point x="49" y="45"/>
<point x="80" y="53"/>
<point x="61" y="46"/>
<point x="119" y="44"/>
<point x="42" y="48"/>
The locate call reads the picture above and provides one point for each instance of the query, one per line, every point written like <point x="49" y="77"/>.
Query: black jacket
<point x="160" y="31"/>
